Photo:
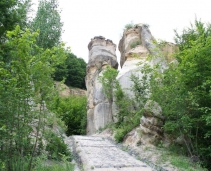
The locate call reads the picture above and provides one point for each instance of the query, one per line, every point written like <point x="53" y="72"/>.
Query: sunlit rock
<point x="102" y="53"/>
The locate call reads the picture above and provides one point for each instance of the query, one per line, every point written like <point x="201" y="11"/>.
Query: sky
<point x="84" y="19"/>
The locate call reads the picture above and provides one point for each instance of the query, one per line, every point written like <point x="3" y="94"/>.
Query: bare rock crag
<point x="102" y="53"/>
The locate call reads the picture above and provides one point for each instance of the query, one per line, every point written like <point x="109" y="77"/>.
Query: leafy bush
<point x="56" y="147"/>
<point x="72" y="110"/>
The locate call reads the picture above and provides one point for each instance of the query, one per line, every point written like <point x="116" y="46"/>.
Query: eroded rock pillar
<point x="102" y="53"/>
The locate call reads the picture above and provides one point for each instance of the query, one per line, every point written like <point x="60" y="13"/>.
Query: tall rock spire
<point x="102" y="53"/>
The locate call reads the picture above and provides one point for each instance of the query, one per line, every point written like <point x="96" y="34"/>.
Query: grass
<point x="57" y="166"/>
<point x="179" y="161"/>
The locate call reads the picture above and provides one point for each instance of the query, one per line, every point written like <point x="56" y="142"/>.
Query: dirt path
<point x="98" y="154"/>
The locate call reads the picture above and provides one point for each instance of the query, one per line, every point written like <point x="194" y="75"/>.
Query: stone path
<point x="98" y="154"/>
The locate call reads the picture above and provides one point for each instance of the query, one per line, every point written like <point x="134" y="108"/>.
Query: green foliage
<point x="134" y="44"/>
<point x="108" y="81"/>
<point x="42" y="164"/>
<point x="56" y="167"/>
<point x="73" y="70"/>
<point x="126" y="127"/>
<point x="72" y="110"/>
<point x="141" y="85"/>
<point x="25" y="82"/>
<point x="13" y="13"/>
<point x="56" y="147"/>
<point x="183" y="91"/>
<point x="129" y="25"/>
<point x="49" y="24"/>
<point x="127" y="116"/>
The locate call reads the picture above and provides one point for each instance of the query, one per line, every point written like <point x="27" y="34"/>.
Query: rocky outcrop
<point x="151" y="123"/>
<point x="133" y="51"/>
<point x="102" y="53"/>
<point x="135" y="46"/>
<point x="65" y="91"/>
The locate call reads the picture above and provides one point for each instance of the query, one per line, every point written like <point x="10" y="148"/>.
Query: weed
<point x="134" y="44"/>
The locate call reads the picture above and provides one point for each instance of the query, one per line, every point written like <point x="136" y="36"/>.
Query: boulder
<point x="151" y="122"/>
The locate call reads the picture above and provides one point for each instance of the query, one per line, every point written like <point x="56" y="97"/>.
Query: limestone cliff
<point x="133" y="51"/>
<point x="65" y="91"/>
<point x="102" y="52"/>
<point x="135" y="46"/>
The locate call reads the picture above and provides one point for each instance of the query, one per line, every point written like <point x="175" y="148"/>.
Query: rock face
<point x="102" y="53"/>
<point x="65" y="91"/>
<point x="135" y="46"/>
<point x="151" y="123"/>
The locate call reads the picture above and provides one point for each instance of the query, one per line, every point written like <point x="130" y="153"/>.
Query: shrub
<point x="128" y="26"/>
<point x="72" y="110"/>
<point x="56" y="147"/>
<point x="134" y="44"/>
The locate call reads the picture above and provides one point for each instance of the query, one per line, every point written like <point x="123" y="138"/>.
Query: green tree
<point x="12" y="12"/>
<point x="108" y="80"/>
<point x="183" y="91"/>
<point x="25" y="83"/>
<point x="73" y="70"/>
<point x="48" y="22"/>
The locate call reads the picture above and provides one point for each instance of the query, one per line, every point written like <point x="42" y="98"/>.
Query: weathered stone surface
<point x="130" y="36"/>
<point x="135" y="46"/>
<point x="65" y="91"/>
<point x="151" y="123"/>
<point x="133" y="137"/>
<point x="101" y="54"/>
<point x="132" y="55"/>
<point x="97" y="153"/>
<point x="153" y="108"/>
<point x="101" y="115"/>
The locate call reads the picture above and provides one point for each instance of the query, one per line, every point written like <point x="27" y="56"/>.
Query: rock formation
<point x="102" y="53"/>
<point x="135" y="46"/>
<point x="65" y="91"/>
<point x="151" y="123"/>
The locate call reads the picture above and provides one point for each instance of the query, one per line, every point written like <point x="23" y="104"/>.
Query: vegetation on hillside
<point x="183" y="91"/>
<point x="30" y="52"/>
<point x="72" y="110"/>
<point x="72" y="70"/>
<point x="127" y="116"/>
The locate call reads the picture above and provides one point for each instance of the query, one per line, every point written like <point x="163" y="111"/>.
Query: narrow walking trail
<point x="99" y="154"/>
